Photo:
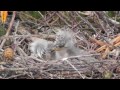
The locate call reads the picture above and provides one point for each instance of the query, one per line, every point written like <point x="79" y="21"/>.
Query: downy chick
<point x="41" y="48"/>
<point x="65" y="45"/>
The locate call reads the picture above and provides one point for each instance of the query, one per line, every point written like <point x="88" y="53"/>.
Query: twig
<point x="45" y="36"/>
<point x="16" y="69"/>
<point x="63" y="19"/>
<point x="83" y="76"/>
<point x="23" y="53"/>
<point x="41" y="14"/>
<point x="9" y="28"/>
<point x="35" y="58"/>
<point x="81" y="56"/>
<point x="16" y="29"/>
<point x="15" y="76"/>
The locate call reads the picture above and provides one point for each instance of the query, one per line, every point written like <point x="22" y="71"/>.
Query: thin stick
<point x="27" y="36"/>
<point x="16" y="69"/>
<point x="83" y="76"/>
<point x="15" y="76"/>
<point x="9" y="28"/>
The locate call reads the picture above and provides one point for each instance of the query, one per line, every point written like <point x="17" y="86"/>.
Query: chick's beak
<point x="58" y="48"/>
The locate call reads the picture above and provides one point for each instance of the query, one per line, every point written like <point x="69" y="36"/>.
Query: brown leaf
<point x="4" y="15"/>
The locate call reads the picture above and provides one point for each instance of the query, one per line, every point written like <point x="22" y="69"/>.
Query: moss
<point x="111" y="13"/>
<point x="35" y="14"/>
<point x="2" y="31"/>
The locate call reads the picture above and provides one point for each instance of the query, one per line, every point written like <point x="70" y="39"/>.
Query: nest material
<point x="85" y="65"/>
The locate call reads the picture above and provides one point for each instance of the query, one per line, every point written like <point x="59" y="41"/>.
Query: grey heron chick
<point x="63" y="38"/>
<point x="65" y="44"/>
<point x="41" y="48"/>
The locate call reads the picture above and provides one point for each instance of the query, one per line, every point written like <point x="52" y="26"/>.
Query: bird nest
<point x="18" y="62"/>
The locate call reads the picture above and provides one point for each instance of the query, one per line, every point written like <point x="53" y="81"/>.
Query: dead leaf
<point x="4" y="15"/>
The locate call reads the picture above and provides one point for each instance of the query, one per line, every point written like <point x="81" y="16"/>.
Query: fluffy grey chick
<point x="41" y="48"/>
<point x="64" y="37"/>
<point x="65" y="45"/>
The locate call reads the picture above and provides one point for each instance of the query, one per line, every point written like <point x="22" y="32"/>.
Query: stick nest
<point x="88" y="65"/>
